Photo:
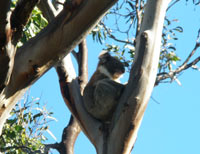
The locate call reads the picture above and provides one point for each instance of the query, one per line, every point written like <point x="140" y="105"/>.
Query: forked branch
<point x="71" y="132"/>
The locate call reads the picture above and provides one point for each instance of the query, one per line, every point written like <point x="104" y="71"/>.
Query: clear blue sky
<point x="170" y="127"/>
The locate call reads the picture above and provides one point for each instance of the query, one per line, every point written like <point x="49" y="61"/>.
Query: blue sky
<point x="171" y="126"/>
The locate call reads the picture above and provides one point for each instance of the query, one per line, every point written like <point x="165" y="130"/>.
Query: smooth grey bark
<point x="142" y="78"/>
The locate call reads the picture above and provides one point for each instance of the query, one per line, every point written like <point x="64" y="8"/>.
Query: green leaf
<point x="131" y="5"/>
<point x="18" y="128"/>
<point x="171" y="47"/>
<point x="168" y="21"/>
<point x="11" y="134"/>
<point x="37" y="115"/>
<point x="179" y="29"/>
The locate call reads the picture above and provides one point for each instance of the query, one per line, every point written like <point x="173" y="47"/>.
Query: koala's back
<point x="88" y="93"/>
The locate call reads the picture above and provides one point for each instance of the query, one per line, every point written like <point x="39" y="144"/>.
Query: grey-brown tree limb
<point x="7" y="50"/>
<point x="133" y="102"/>
<point x="12" y="24"/>
<point x="40" y="53"/>
<point x="70" y="133"/>
<point x="72" y="130"/>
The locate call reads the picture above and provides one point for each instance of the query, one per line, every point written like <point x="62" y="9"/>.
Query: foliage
<point x="168" y="55"/>
<point x="128" y="16"/>
<point x="34" y="25"/>
<point x="196" y="2"/>
<point x="24" y="132"/>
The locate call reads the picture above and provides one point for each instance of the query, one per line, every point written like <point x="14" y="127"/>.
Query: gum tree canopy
<point x="22" y="65"/>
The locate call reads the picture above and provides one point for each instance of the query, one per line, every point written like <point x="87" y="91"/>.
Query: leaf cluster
<point x="127" y="16"/>
<point x="34" y="25"/>
<point x="24" y="132"/>
<point x="168" y="56"/>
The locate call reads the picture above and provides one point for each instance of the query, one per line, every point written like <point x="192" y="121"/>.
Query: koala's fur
<point x="102" y="93"/>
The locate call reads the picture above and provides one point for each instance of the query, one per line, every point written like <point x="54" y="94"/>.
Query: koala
<point x="102" y="93"/>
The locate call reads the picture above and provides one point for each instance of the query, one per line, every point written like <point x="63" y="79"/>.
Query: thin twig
<point x="113" y="37"/>
<point x="172" y="4"/>
<point x="184" y="66"/>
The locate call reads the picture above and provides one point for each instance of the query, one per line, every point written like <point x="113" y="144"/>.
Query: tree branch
<point x="4" y="7"/>
<point x="113" y="37"/>
<point x="11" y="28"/>
<point x="138" y="14"/>
<point x="70" y="132"/>
<point x="51" y="146"/>
<point x="20" y="17"/>
<point x="172" y="4"/>
<point x="83" y="64"/>
<point x="70" y="90"/>
<point x="184" y="66"/>
<point x="7" y="50"/>
<point x="39" y="54"/>
<point x="48" y="10"/>
<point x="58" y="4"/>
<point x="133" y="102"/>
<point x="52" y="43"/>
<point x="191" y="54"/>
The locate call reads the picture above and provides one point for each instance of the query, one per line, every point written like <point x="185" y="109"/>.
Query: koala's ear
<point x="104" y="55"/>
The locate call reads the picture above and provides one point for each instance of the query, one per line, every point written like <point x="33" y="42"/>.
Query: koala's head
<point x="110" y="66"/>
